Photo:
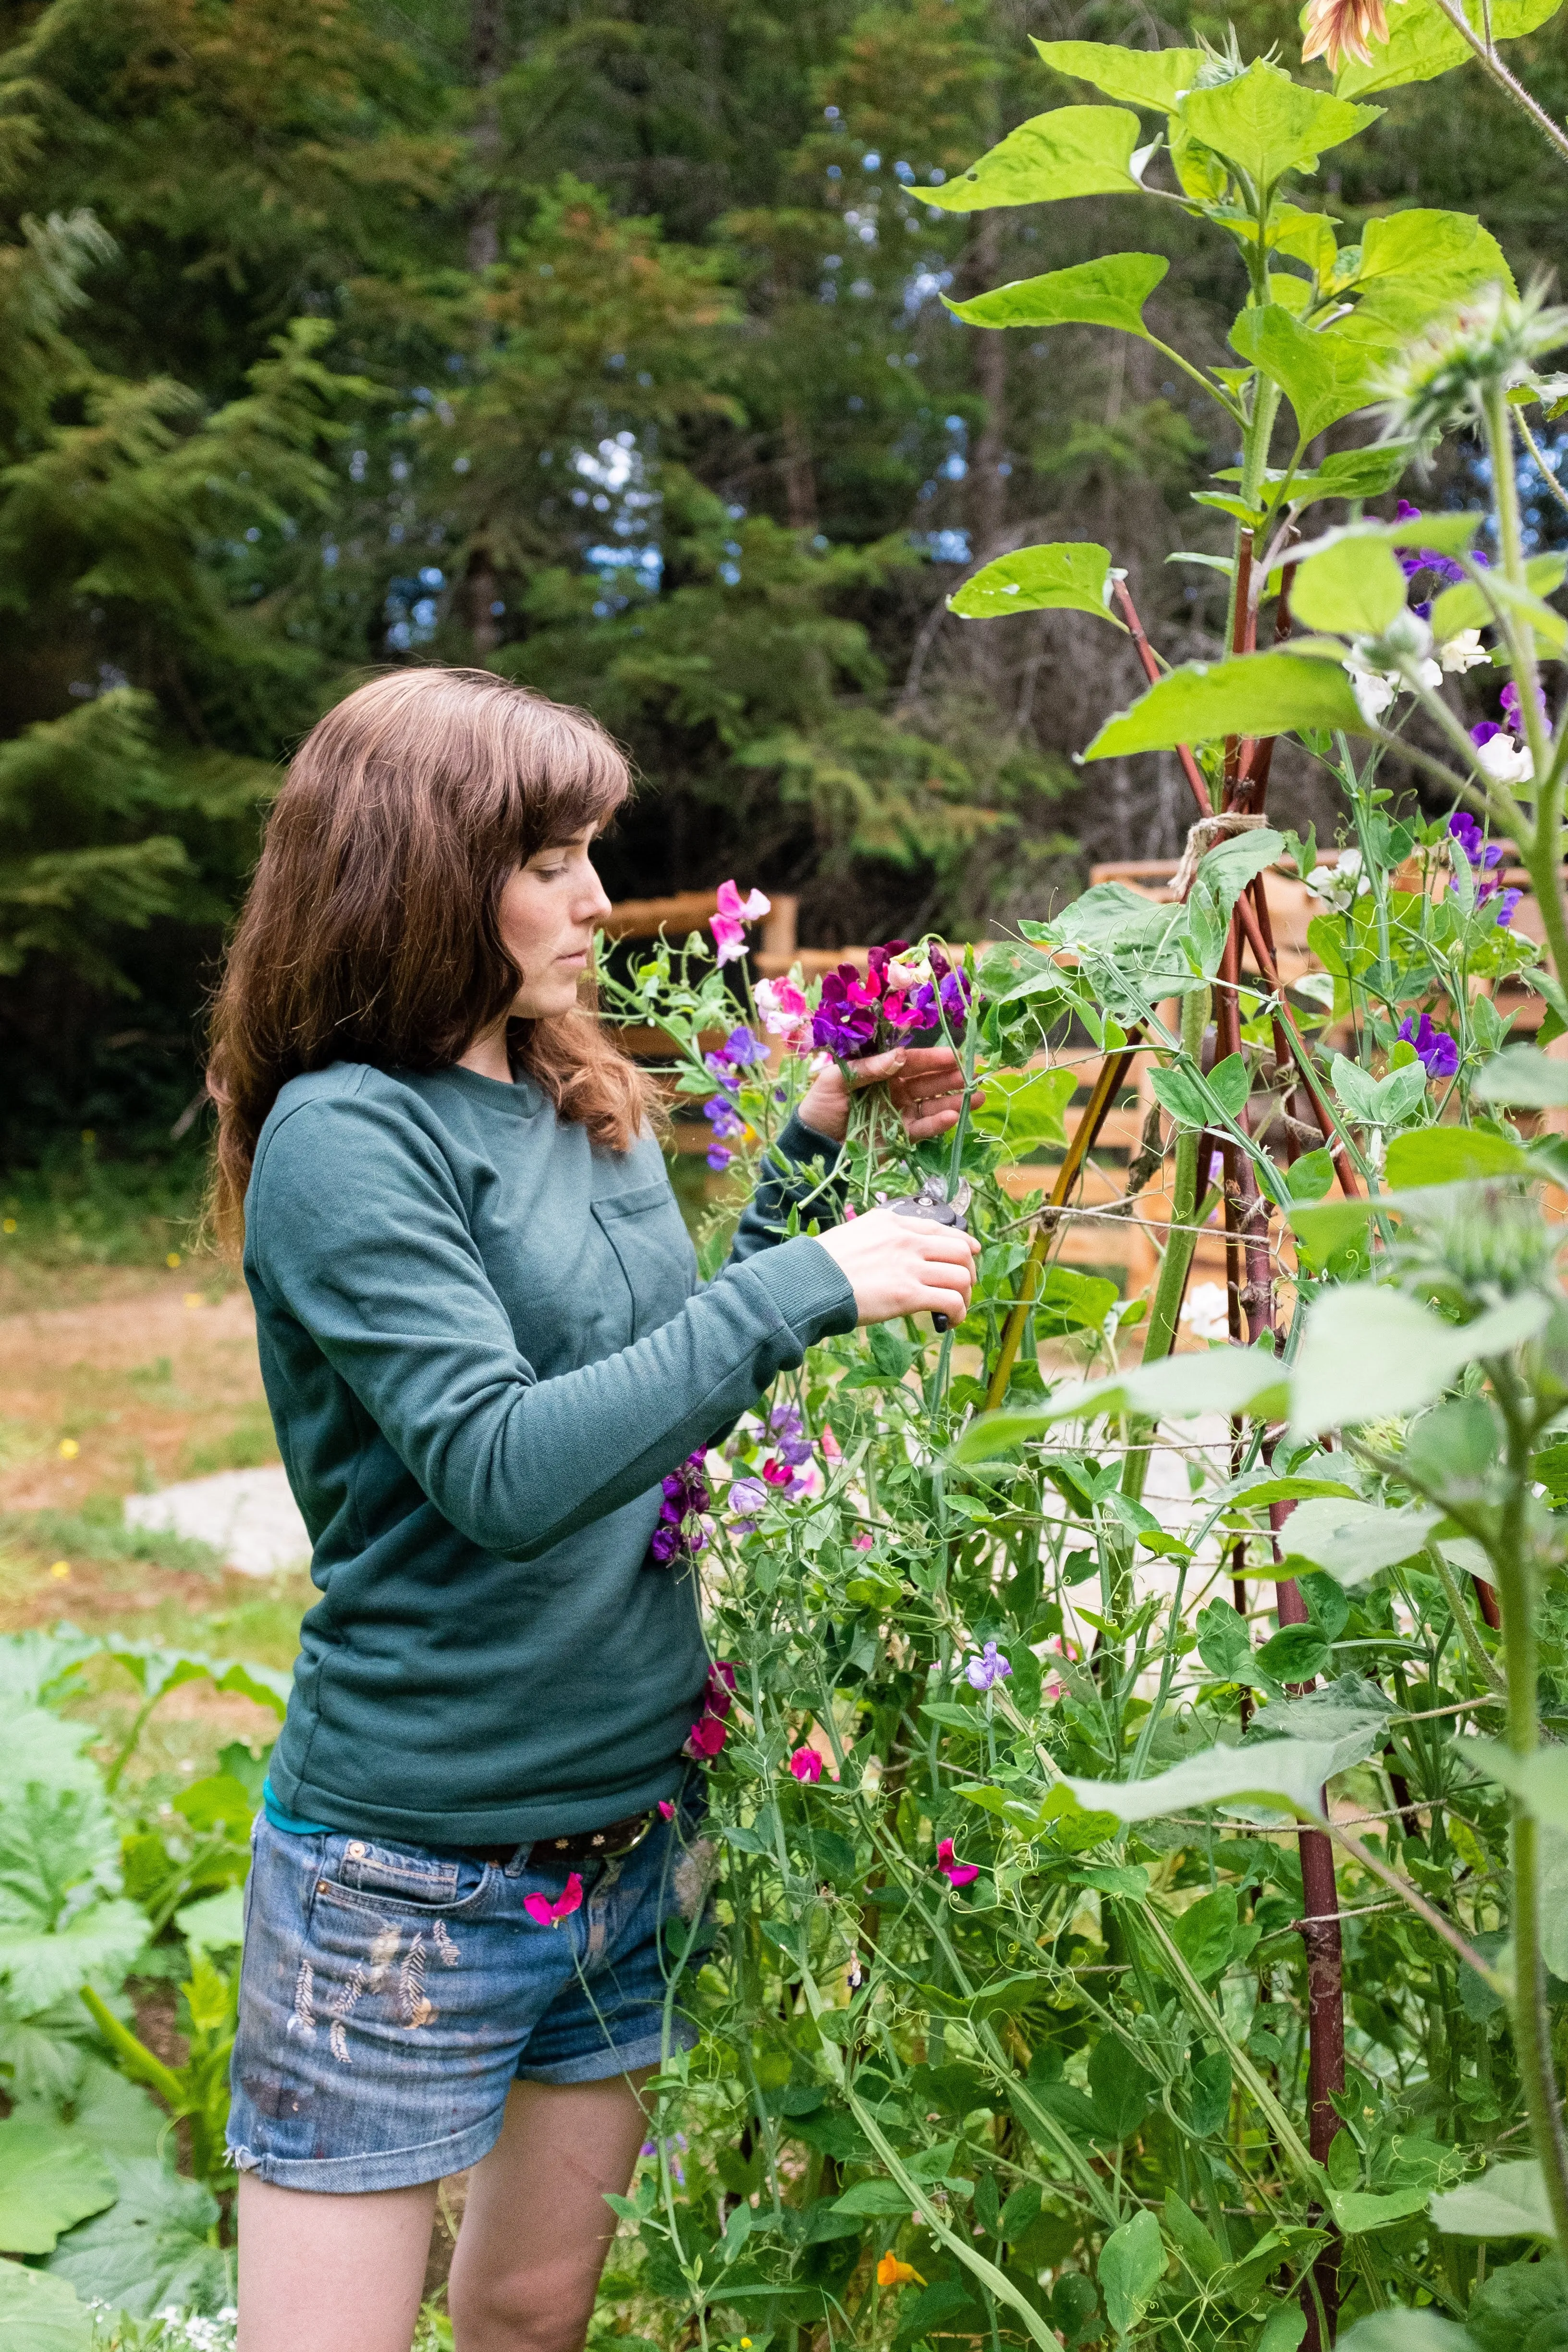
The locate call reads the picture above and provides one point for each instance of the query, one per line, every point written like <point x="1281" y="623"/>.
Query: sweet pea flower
<point x="1206" y="1313"/>
<point x="1513" y="710"/>
<point x="545" y="1914"/>
<point x="728" y="924"/>
<point x="787" y="1424"/>
<point x="748" y="1495"/>
<point x="957" y="1873"/>
<point x="1415" y="560"/>
<point x="1437" y="1053"/>
<point x="844" y="1022"/>
<point x="1503" y="759"/>
<point x="666" y="1810"/>
<point x="831" y="1449"/>
<point x="862" y="1542"/>
<point x="805" y="1765"/>
<point x="785" y="1013"/>
<point x="988" y="1668"/>
<point x="680" y="1531"/>
<point x="706" y="1738"/>
<point x="1462" y="652"/>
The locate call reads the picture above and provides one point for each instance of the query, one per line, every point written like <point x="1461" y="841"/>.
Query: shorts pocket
<point x="407" y="1877"/>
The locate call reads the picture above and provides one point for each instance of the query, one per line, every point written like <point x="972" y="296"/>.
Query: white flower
<point x="1205" y="1314"/>
<point x="908" y="972"/>
<point x="1373" y="689"/>
<point x="1506" y="762"/>
<point x="1428" y="673"/>
<point x="1339" y="886"/>
<point x="1463" y="652"/>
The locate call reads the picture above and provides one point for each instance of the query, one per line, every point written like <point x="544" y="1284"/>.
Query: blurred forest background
<point x="598" y="341"/>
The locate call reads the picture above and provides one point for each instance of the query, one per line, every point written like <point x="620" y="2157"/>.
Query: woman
<point x="485" y="1345"/>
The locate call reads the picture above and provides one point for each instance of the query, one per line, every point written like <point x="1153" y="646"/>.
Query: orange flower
<point x="1337" y="29"/>
<point x="890" y="2272"/>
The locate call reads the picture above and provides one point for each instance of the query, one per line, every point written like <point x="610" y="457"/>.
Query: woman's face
<point x="549" y="911"/>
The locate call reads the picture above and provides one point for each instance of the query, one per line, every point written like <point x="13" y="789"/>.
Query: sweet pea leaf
<point x="1357" y="2210"/>
<point x="1286" y="1771"/>
<point x="1131" y="2262"/>
<point x="38" y="2314"/>
<point x="1367" y="1351"/>
<point x="1204" y="1933"/>
<point x="1024" y="1108"/>
<point x="1251" y="693"/>
<point x="1283" y="2329"/>
<point x="1295" y="1655"/>
<point x="1352" y="1540"/>
<point x="1224" y="1643"/>
<point x="1109" y="292"/>
<point x="1509" y="2201"/>
<point x="1525" y="1075"/>
<point x="1210" y="2101"/>
<point x="1465" y="605"/>
<point x="1152" y="78"/>
<point x="1121" y="2092"/>
<point x="1078" y="150"/>
<point x="1422" y="44"/>
<point x="1405" y="2331"/>
<point x="1354" y="588"/>
<point x="50" y="2177"/>
<point x="1266" y="124"/>
<point x="882" y="2198"/>
<point x="1069" y="1301"/>
<point x="1224" y="1380"/>
<point x="1322" y="377"/>
<point x="1070" y="575"/>
<point x="1454" y="1155"/>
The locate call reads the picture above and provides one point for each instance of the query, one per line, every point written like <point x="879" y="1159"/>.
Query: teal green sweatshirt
<point x="485" y="1343"/>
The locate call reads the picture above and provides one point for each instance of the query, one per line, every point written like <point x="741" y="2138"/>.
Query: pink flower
<point x="862" y="1542"/>
<point x="805" y="1764"/>
<point x="831" y="1449"/>
<point x="545" y="1914"/>
<point x="707" y="1737"/>
<point x="729" y="925"/>
<point x="666" y="1810"/>
<point x="719" y="1696"/>
<point x="957" y="1873"/>
<point x="784" y="1013"/>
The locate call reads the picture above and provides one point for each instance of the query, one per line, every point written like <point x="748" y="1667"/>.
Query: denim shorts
<point x="391" y="1995"/>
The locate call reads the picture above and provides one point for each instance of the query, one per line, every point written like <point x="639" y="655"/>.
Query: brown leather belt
<point x="566" y="1852"/>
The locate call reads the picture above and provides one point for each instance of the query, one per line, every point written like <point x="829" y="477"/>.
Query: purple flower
<point x="1415" y="560"/>
<point x="1512" y="710"/>
<point x="788" y="1428"/>
<point x="845" y="1021"/>
<point x="724" y="1119"/>
<point x="989" y="1667"/>
<point x="1437" y="1053"/>
<point x="747" y="1494"/>
<point x="1485" y="731"/>
<point x="1506" y="902"/>
<point x="718" y="1159"/>
<point x="681" y="1532"/>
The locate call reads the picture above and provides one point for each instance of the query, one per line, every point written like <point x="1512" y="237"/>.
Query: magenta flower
<point x="957" y="1873"/>
<point x="728" y="924"/>
<point x="785" y="1013"/>
<point x="706" y="1738"/>
<point x="845" y="1023"/>
<point x="681" y="1532"/>
<point x="805" y="1764"/>
<point x="989" y="1667"/>
<point x="545" y="1914"/>
<point x="862" y="1542"/>
<point x="1437" y="1053"/>
<point x="720" y="1696"/>
<point x="666" y="1813"/>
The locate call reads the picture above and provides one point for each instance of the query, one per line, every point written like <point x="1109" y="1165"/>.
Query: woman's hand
<point x="903" y="1265"/>
<point x="925" y="1085"/>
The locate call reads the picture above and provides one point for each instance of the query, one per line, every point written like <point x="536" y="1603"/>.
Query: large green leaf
<point x="1288" y="1771"/>
<point x="1069" y="575"/>
<point x="1266" y="124"/>
<point x="38" y="2314"/>
<point x="1321" y="376"/>
<point x="1352" y="1540"/>
<point x="158" y="1669"/>
<point x="1131" y="2262"/>
<point x="39" y="1964"/>
<point x="1525" y="1075"/>
<point x="1222" y="875"/>
<point x="1454" y="1155"/>
<point x="1221" y="1379"/>
<point x="1109" y="292"/>
<point x="1414" y="265"/>
<point x="152" y="2247"/>
<point x="1354" y="588"/>
<point x="1422" y="44"/>
<point x="50" y="2177"/>
<point x="1253" y="694"/>
<point x="1152" y="78"/>
<point x="1405" y="2331"/>
<point x="1509" y="2201"/>
<point x="1466" y="605"/>
<point x="38" y="1668"/>
<point x="1368" y="1352"/>
<point x="1078" y="150"/>
<point x="1024" y="1108"/>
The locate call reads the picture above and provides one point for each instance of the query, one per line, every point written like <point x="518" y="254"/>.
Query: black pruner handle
<point x="919" y="1204"/>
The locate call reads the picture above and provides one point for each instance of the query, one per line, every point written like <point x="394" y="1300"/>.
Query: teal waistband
<point x="290" y="1823"/>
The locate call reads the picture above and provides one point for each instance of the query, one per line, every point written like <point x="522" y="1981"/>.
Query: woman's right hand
<point x="903" y="1265"/>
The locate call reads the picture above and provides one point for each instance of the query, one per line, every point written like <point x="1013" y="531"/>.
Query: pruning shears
<point x="943" y="1208"/>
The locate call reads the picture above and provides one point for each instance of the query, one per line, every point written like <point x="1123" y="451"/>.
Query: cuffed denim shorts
<point x="391" y="1995"/>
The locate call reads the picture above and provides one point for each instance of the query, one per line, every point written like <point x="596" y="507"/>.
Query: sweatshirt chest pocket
<point x="644" y="1229"/>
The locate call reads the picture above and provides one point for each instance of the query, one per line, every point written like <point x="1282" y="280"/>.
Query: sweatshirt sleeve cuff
<point x="801" y="1144"/>
<point x="807" y="1287"/>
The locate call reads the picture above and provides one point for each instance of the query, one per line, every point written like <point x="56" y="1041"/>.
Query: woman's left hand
<point x="925" y="1085"/>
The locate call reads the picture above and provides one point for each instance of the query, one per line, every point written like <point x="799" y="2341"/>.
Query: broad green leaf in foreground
<point x="1266" y="124"/>
<point x="1405" y="2331"/>
<point x="152" y="2248"/>
<point x="1445" y="534"/>
<point x="38" y="2314"/>
<point x="1108" y="292"/>
<point x="1350" y="1542"/>
<point x="1525" y="1075"/>
<point x="1131" y="2264"/>
<point x="214" y="1924"/>
<point x="1222" y="1380"/>
<point x="1026" y="1108"/>
<point x="1454" y="1155"/>
<point x="1508" y="2202"/>
<point x="50" y="2177"/>
<point x="1252" y="694"/>
<point x="1466" y="605"/>
<point x="1355" y="588"/>
<point x="1368" y="1352"/>
<point x="1323" y="378"/>
<point x="1070" y="575"/>
<point x="1153" y="78"/>
<point x="1414" y="265"/>
<point x="1078" y="150"/>
<point x="1286" y="1771"/>
<point x="1422" y="44"/>
<point x="1539" y="1781"/>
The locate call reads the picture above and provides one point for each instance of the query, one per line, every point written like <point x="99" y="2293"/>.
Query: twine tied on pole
<point x="1201" y="839"/>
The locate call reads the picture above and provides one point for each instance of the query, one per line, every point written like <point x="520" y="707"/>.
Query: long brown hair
<point x="371" y="931"/>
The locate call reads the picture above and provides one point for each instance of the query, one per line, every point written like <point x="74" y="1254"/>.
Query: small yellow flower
<point x="194" y="1298"/>
<point x="7" y="1225"/>
<point x="172" y="1260"/>
<point x="69" y="1449"/>
<point x="61" y="1570"/>
<point x="890" y="2272"/>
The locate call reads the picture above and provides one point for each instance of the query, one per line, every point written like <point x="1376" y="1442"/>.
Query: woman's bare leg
<point x="536" y="2228"/>
<point x="320" y="2274"/>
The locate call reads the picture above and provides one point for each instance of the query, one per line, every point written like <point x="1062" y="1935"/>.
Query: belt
<point x="587" y="1845"/>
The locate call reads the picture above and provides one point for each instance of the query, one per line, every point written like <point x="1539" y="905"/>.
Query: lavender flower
<point x="750" y="1495"/>
<point x="788" y="1428"/>
<point x="1414" y="560"/>
<point x="1437" y="1053"/>
<point x="989" y="1667"/>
